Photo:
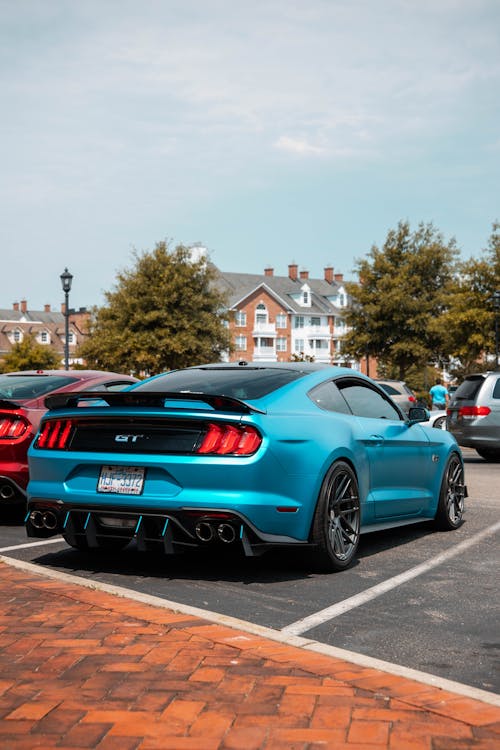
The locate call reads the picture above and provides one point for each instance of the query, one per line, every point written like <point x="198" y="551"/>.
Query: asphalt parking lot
<point x="422" y="599"/>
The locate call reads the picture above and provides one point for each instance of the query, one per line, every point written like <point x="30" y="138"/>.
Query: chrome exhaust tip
<point x="36" y="518"/>
<point x="6" y="492"/>
<point x="226" y="533"/>
<point x="49" y="520"/>
<point x="204" y="531"/>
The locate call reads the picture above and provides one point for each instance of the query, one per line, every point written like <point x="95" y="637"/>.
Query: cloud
<point x="298" y="146"/>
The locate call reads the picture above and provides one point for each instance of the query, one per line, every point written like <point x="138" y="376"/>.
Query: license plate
<point x="121" y="480"/>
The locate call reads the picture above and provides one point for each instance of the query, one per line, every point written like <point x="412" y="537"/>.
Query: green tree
<point x="396" y="309"/>
<point x="28" y="354"/>
<point x="469" y="321"/>
<point x="164" y="313"/>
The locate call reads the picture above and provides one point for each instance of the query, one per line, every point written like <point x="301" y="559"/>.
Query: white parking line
<point x="329" y="613"/>
<point x="32" y="544"/>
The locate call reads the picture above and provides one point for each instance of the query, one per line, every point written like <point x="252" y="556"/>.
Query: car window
<point x="389" y="389"/>
<point x="365" y="401"/>
<point x="241" y="383"/>
<point x="468" y="390"/>
<point x="496" y="389"/>
<point x="327" y="396"/>
<point x="114" y="386"/>
<point x="31" y="386"/>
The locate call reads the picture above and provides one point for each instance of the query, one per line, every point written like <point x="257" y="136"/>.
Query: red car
<point x="22" y="397"/>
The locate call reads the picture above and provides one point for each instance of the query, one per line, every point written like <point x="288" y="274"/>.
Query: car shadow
<point x="197" y="565"/>
<point x="220" y="564"/>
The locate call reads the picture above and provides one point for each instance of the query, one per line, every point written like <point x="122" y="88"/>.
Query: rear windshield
<point x="468" y="390"/>
<point x="238" y="383"/>
<point x="25" y="387"/>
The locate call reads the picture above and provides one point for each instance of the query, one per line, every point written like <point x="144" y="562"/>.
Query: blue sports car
<point x="246" y="455"/>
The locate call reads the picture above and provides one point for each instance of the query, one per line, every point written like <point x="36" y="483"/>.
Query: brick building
<point x="46" y="326"/>
<point x="276" y="317"/>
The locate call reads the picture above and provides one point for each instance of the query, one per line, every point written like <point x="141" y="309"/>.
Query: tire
<point x="489" y="454"/>
<point x="336" y="523"/>
<point x="450" y="510"/>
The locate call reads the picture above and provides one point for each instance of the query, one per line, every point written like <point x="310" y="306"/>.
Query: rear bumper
<point x="169" y="531"/>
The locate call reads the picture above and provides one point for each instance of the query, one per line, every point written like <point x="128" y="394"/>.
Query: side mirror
<point x="418" y="414"/>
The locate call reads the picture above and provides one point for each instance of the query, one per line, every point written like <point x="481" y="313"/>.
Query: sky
<point x="270" y="131"/>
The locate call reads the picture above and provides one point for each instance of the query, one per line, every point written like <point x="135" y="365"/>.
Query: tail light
<point x="12" y="426"/>
<point x="471" y="412"/>
<point x="412" y="399"/>
<point x="54" y="434"/>
<point x="223" y="439"/>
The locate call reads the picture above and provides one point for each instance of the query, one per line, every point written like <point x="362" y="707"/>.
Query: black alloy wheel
<point x="337" y="520"/>
<point x="451" y="503"/>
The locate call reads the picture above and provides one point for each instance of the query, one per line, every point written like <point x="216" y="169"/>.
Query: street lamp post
<point x="66" y="279"/>
<point x="496" y="307"/>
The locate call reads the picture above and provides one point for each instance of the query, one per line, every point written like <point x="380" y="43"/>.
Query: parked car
<point x="436" y="419"/>
<point x="474" y="414"/>
<point x="22" y="406"/>
<point x="400" y="393"/>
<point x="248" y="455"/>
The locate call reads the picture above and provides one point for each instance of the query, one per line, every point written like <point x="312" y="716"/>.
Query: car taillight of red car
<point x="13" y="426"/>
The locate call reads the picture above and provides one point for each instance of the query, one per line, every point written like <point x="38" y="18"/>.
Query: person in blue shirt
<point x="439" y="395"/>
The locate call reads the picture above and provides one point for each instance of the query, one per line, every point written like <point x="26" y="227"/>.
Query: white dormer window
<point x="341" y="297"/>
<point x="71" y="338"/>
<point x="44" y="337"/>
<point x="305" y="296"/>
<point x="17" y="336"/>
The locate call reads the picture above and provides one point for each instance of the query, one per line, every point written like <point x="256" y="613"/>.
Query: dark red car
<point x="22" y="397"/>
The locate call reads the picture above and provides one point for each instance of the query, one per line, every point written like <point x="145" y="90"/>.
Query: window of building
<point x="71" y="338"/>
<point x="319" y="344"/>
<point x="267" y="343"/>
<point x="315" y="321"/>
<point x="281" y="320"/>
<point x="240" y="343"/>
<point x="298" y="321"/>
<point x="240" y="318"/>
<point x="299" y="345"/>
<point x="44" y="337"/>
<point x="281" y="344"/>
<point x="261" y="314"/>
<point x="17" y="335"/>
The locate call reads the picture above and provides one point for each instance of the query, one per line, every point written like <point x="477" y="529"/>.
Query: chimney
<point x="15" y="306"/>
<point x="339" y="277"/>
<point x="292" y="271"/>
<point x="46" y="308"/>
<point x="268" y="271"/>
<point x="304" y="275"/>
<point x="24" y="306"/>
<point x="329" y="274"/>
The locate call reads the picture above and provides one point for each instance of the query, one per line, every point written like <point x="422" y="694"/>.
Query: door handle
<point x="376" y="440"/>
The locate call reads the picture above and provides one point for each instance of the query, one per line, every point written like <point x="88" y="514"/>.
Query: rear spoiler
<point x="147" y="398"/>
<point x="11" y="405"/>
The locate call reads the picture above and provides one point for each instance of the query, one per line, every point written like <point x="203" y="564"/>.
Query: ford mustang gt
<point x="247" y="455"/>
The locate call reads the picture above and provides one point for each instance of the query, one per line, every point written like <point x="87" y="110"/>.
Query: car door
<point x="398" y="455"/>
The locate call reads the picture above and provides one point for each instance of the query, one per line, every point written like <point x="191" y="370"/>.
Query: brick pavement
<point x="86" y="669"/>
